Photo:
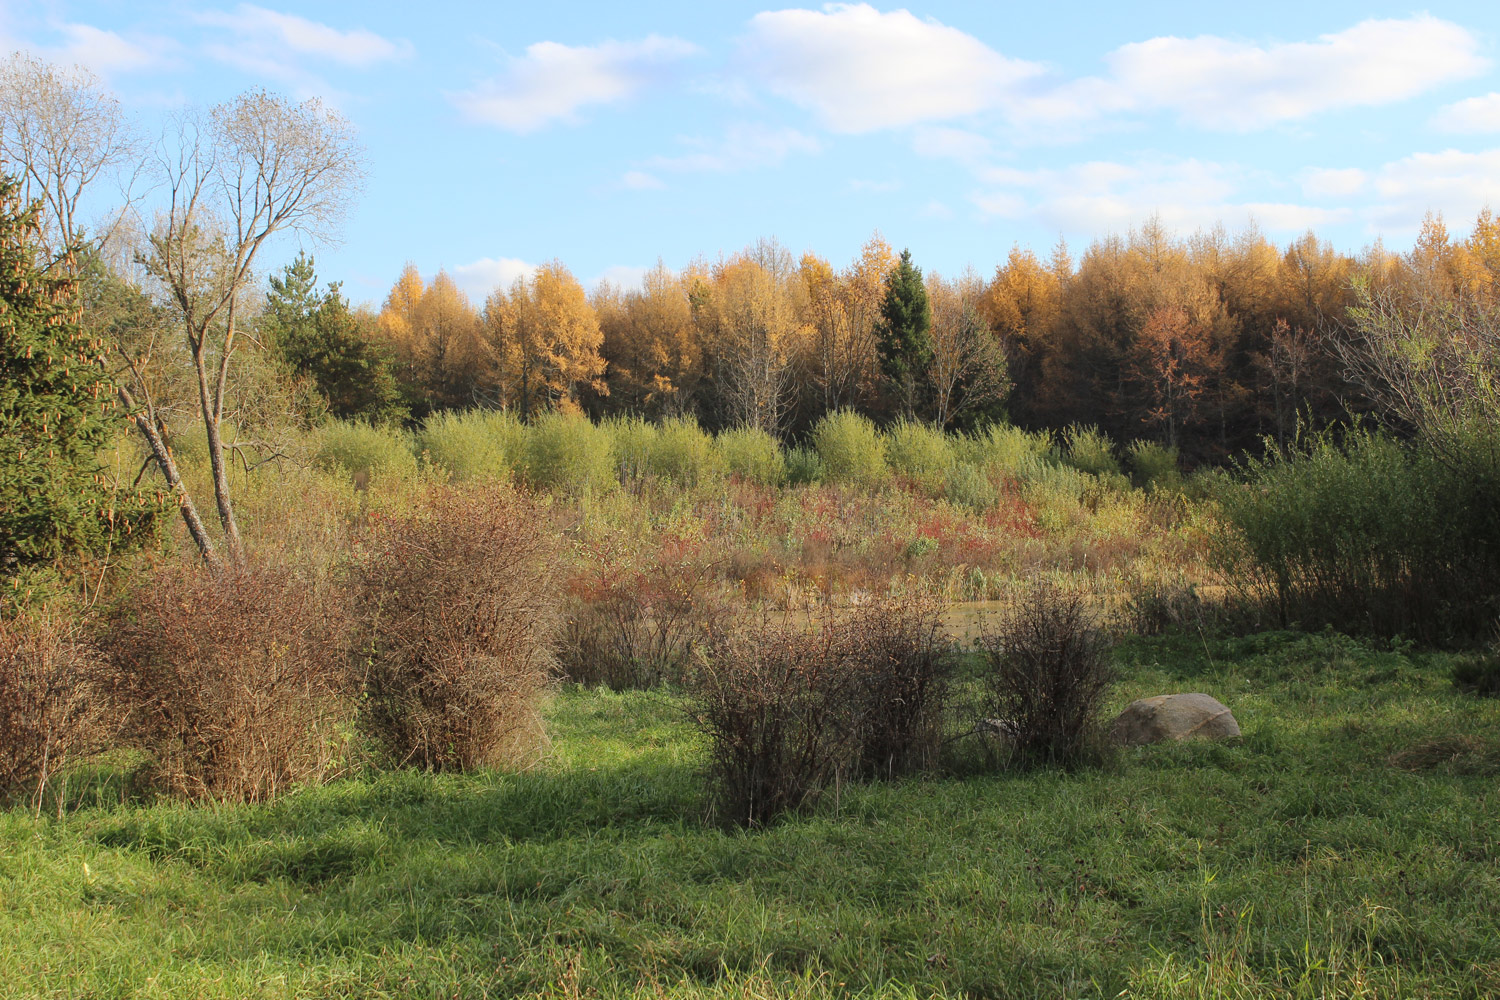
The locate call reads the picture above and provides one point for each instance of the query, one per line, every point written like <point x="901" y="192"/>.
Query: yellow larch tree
<point x="545" y="339"/>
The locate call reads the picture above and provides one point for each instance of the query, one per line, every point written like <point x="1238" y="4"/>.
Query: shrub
<point x="904" y="665"/>
<point x="474" y="445"/>
<point x="236" y="683"/>
<point x="776" y="702"/>
<point x="683" y="453"/>
<point x="968" y="487"/>
<point x="567" y="452"/>
<point x="633" y="621"/>
<point x="753" y="455"/>
<point x="920" y="453"/>
<point x="54" y="703"/>
<point x="1154" y="466"/>
<point x="803" y="467"/>
<point x="850" y="449"/>
<point x="789" y="705"/>
<point x="1088" y="450"/>
<point x="1366" y="535"/>
<point x="364" y="452"/>
<point x="630" y="441"/>
<point x="460" y="607"/>
<point x="1048" y="671"/>
<point x="1005" y="450"/>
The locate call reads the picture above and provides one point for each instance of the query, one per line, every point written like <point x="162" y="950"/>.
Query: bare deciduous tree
<point x="234" y="178"/>
<point x="65" y="132"/>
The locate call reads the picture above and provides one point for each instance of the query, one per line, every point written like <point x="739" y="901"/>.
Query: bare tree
<point x="234" y="178"/>
<point x="968" y="365"/>
<point x="65" y="132"/>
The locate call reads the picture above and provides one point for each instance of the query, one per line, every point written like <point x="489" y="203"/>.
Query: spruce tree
<point x="905" y="334"/>
<point x="58" y="408"/>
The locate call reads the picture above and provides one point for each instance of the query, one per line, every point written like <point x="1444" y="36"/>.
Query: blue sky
<point x="500" y="135"/>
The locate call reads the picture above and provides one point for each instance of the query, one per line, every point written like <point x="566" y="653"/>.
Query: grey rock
<point x="1174" y="717"/>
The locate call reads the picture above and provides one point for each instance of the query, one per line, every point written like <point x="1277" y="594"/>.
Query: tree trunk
<point x="168" y="466"/>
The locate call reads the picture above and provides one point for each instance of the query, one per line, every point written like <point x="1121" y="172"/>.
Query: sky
<point x="500" y="135"/>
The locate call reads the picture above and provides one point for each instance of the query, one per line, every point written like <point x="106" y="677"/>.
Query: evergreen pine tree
<point x="58" y="408"/>
<point x="905" y="334"/>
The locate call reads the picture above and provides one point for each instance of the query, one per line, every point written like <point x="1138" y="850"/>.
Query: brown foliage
<point x="1048" y="670"/>
<point x="634" y="621"/>
<point x="791" y="705"/>
<point x="460" y="604"/>
<point x="237" y="683"/>
<point x="54" y="705"/>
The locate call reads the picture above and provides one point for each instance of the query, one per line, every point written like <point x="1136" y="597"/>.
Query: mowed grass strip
<point x="1316" y="857"/>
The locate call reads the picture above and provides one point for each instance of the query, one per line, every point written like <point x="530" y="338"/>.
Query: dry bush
<point x="790" y="705"/>
<point x="236" y="683"/>
<point x="461" y="606"/>
<point x="905" y="663"/>
<point x="633" y="623"/>
<point x="1048" y="670"/>
<point x="54" y="705"/>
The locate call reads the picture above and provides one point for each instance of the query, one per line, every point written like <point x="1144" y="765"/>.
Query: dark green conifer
<point x="905" y="334"/>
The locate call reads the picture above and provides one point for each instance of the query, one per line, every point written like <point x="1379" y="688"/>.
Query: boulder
<point x="1174" y="717"/>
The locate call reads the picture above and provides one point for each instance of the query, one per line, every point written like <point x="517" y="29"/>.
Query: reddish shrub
<point x="237" y="684"/>
<point x="789" y="704"/>
<point x="54" y="705"/>
<point x="460" y="602"/>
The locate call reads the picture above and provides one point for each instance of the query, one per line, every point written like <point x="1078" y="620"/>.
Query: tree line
<point x="1209" y="343"/>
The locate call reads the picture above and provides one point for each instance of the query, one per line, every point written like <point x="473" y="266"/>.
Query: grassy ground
<point x="1298" y="862"/>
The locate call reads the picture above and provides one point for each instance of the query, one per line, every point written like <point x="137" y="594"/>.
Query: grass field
<point x="1348" y="846"/>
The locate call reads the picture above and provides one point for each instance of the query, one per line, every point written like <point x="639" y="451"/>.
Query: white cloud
<point x="551" y="82"/>
<point x="1476" y="114"/>
<point x="1104" y="196"/>
<point x="742" y="147"/>
<point x="944" y="143"/>
<point x="860" y="69"/>
<point x="1318" y="182"/>
<point x="1222" y="84"/>
<point x="1455" y="183"/>
<point x="104" y="53"/>
<point x="478" y="279"/>
<point x="275" y="34"/>
<point x="639" y="180"/>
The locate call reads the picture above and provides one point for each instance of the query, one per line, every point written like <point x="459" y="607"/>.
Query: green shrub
<point x="365" y="452"/>
<point x="920" y="453"/>
<point x="569" y="453"/>
<point x="1367" y="535"/>
<point x="803" y="467"/>
<point x="474" y="445"/>
<point x="1002" y="449"/>
<point x="1088" y="450"/>
<point x="683" y="453"/>
<point x="1154" y="466"/>
<point x="850" y="449"/>
<point x="753" y="455"/>
<point x="630" y="442"/>
<point x="968" y="487"/>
